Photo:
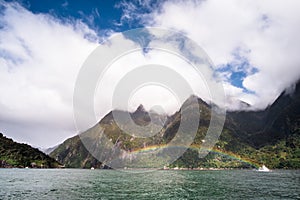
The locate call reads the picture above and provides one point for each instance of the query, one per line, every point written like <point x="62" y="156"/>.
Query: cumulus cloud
<point x="39" y="60"/>
<point x="264" y="33"/>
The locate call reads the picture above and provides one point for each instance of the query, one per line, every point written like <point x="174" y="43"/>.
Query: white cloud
<point x="268" y="31"/>
<point x="39" y="61"/>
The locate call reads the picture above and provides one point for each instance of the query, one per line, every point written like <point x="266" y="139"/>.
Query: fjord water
<point x="113" y="184"/>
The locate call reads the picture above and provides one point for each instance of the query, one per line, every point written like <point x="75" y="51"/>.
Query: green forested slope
<point x="13" y="154"/>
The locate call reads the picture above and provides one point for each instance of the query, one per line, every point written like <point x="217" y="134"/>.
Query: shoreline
<point x="151" y="169"/>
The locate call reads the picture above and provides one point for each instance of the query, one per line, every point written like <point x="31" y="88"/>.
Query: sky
<point x="253" y="44"/>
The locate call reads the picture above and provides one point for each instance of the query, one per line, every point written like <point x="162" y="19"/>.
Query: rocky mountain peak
<point x="140" y="108"/>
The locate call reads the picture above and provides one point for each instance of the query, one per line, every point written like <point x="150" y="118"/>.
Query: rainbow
<point x="231" y="155"/>
<point x="227" y="154"/>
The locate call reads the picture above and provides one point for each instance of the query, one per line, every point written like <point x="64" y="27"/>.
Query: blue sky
<point x="253" y="44"/>
<point x="99" y="15"/>
<point x="87" y="11"/>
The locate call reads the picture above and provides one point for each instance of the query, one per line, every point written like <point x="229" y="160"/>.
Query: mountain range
<point x="248" y="139"/>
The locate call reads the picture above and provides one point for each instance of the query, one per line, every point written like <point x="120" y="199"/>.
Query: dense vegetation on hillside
<point x="283" y="154"/>
<point x="13" y="154"/>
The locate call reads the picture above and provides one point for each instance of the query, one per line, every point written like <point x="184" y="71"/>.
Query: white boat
<point x="263" y="168"/>
<point x="92" y="168"/>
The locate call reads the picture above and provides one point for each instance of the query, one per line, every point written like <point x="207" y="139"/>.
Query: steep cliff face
<point x="270" y="136"/>
<point x="73" y="154"/>
<point x="278" y="121"/>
